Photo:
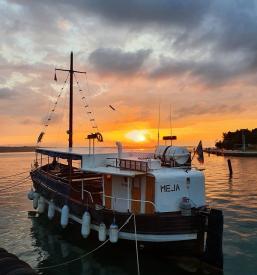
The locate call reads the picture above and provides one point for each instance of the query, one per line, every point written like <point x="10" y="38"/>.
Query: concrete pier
<point x="232" y="153"/>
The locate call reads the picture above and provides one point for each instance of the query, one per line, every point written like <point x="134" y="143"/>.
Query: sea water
<point x="41" y="245"/>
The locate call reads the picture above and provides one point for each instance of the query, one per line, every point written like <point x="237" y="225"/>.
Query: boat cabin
<point x="129" y="182"/>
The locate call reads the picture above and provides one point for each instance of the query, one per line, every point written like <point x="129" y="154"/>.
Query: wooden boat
<point x="157" y="199"/>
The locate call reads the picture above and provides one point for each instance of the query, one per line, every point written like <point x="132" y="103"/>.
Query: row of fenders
<point x="39" y="203"/>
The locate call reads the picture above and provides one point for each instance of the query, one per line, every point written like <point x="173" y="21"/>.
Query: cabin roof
<point x="75" y="153"/>
<point x="113" y="171"/>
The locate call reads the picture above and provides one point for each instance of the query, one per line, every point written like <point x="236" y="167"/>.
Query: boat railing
<point x="83" y="190"/>
<point x="126" y="199"/>
<point x="111" y="197"/>
<point x="128" y="164"/>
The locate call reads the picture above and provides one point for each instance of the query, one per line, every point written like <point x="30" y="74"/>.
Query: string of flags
<point x="112" y="107"/>
<point x="50" y="114"/>
<point x="89" y="112"/>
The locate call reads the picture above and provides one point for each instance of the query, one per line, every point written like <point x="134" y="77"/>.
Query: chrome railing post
<point x="82" y="190"/>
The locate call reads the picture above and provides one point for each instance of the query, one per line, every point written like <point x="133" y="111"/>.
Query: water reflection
<point x="56" y="247"/>
<point x="41" y="244"/>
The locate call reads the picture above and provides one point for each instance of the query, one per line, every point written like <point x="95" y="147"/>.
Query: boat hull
<point x="168" y="233"/>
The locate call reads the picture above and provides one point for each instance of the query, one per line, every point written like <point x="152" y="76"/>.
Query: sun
<point x="137" y="135"/>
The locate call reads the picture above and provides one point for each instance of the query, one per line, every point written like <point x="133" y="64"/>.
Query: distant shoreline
<point x="230" y="153"/>
<point x="15" y="149"/>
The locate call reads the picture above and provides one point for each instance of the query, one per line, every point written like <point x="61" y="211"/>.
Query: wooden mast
<point x="71" y="103"/>
<point x="71" y="72"/>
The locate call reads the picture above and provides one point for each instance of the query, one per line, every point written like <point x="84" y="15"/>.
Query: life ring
<point x="99" y="137"/>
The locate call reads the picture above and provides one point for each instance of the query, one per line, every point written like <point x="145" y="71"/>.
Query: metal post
<point x="82" y="190"/>
<point x="230" y="167"/>
<point x="103" y="191"/>
<point x="243" y="140"/>
<point x="128" y="193"/>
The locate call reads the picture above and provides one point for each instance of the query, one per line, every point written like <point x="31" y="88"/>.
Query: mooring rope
<point x="135" y="228"/>
<point x="84" y="255"/>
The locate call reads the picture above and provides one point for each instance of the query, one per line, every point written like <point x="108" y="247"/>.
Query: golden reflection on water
<point x="236" y="196"/>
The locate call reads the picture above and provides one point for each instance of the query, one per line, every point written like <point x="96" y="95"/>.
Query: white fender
<point x="35" y="200"/>
<point x="102" y="232"/>
<point x="114" y="233"/>
<point x="31" y="194"/>
<point x="65" y="216"/>
<point x="85" y="226"/>
<point x="51" y="210"/>
<point x="41" y="205"/>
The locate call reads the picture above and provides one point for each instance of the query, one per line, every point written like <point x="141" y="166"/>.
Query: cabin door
<point x="149" y="194"/>
<point x="108" y="190"/>
<point x="136" y="195"/>
<point x="121" y="191"/>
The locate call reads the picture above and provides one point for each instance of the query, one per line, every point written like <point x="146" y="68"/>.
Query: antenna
<point x="159" y="118"/>
<point x="170" y="127"/>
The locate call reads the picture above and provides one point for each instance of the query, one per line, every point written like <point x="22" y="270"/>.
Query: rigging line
<point x="57" y="99"/>
<point x="91" y="113"/>
<point x="84" y="255"/>
<point x="159" y="120"/>
<point x="49" y="116"/>
<point x="19" y="183"/>
<point x="63" y="116"/>
<point x="89" y="93"/>
<point x="85" y="106"/>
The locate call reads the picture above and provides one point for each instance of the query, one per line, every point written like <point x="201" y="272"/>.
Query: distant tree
<point x="233" y="140"/>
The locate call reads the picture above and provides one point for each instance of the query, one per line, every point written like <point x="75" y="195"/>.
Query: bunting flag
<point x="199" y="152"/>
<point x="40" y="137"/>
<point x="112" y="107"/>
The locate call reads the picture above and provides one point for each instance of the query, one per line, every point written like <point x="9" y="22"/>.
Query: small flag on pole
<point x="55" y="77"/>
<point x="199" y="152"/>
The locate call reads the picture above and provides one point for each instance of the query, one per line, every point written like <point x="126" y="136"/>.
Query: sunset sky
<point x="199" y="57"/>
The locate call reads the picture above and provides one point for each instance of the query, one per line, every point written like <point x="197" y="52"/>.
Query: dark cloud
<point x="177" y="12"/>
<point x="200" y="109"/>
<point x="164" y="12"/>
<point x="224" y="31"/>
<point x="108" y="60"/>
<point x="210" y="72"/>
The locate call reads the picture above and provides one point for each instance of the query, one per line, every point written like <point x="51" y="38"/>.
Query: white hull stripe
<point x="140" y="237"/>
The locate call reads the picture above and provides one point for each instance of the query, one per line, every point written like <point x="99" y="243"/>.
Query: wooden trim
<point x="108" y="190"/>
<point x="136" y="195"/>
<point x="149" y="194"/>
